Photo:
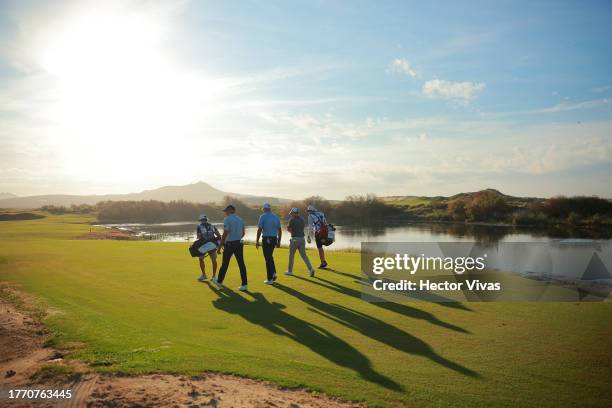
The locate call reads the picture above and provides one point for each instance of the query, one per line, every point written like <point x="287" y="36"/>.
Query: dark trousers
<point x="268" y="245"/>
<point x="229" y="249"/>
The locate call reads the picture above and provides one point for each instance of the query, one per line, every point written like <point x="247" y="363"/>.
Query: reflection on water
<point x="348" y="237"/>
<point x="571" y="250"/>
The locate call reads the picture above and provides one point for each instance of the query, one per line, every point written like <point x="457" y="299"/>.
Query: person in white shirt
<point x="316" y="219"/>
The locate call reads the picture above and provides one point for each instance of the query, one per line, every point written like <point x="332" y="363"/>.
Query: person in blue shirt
<point x="270" y="227"/>
<point x="231" y="241"/>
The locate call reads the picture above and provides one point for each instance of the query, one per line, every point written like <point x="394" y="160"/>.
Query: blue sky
<point x="301" y="98"/>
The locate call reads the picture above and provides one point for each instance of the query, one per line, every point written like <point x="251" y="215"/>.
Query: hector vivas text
<point x="405" y="263"/>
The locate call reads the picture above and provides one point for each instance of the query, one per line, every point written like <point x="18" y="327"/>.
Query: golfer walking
<point x="270" y="227"/>
<point x="231" y="241"/>
<point x="209" y="236"/>
<point x="316" y="219"/>
<point x="297" y="242"/>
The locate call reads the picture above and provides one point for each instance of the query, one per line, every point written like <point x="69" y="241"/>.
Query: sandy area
<point x="23" y="355"/>
<point x="108" y="233"/>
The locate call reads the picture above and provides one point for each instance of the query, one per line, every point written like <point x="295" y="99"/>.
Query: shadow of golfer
<point x="376" y="329"/>
<point x="273" y="318"/>
<point x="391" y="306"/>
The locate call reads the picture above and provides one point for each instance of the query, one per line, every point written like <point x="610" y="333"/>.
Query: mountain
<point x="199" y="192"/>
<point x="6" y="195"/>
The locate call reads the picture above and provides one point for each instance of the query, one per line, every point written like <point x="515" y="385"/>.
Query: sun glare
<point x="117" y="88"/>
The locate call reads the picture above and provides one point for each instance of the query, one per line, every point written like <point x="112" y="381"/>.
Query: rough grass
<point x="138" y="308"/>
<point x="55" y="372"/>
<point x="411" y="201"/>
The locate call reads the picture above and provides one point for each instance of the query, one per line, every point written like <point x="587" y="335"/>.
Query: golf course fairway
<point x="136" y="307"/>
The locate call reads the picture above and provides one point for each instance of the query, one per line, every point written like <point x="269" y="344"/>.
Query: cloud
<point x="465" y="91"/>
<point x="402" y="66"/>
<point x="601" y="89"/>
<point x="561" y="107"/>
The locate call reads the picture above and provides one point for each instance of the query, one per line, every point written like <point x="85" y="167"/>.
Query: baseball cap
<point x="267" y="206"/>
<point x="229" y="207"/>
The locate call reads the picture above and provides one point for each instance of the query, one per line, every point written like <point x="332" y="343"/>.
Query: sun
<point x="112" y="72"/>
<point x="117" y="88"/>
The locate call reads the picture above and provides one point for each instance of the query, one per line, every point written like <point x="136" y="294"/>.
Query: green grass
<point x="138" y="308"/>
<point x="411" y="201"/>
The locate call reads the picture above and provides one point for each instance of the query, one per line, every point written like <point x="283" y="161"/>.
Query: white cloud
<point x="601" y="89"/>
<point x="561" y="107"/>
<point x="465" y="91"/>
<point x="435" y="156"/>
<point x="402" y="66"/>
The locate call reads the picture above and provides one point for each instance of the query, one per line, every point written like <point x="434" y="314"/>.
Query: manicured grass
<point x="137" y="307"/>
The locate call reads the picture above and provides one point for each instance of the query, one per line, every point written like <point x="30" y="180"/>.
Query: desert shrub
<point x="73" y="209"/>
<point x="22" y="216"/>
<point x="457" y="210"/>
<point x="154" y="211"/>
<point x="561" y="207"/>
<point x="319" y="202"/>
<point x="528" y="218"/>
<point x="352" y="210"/>
<point x="54" y="209"/>
<point x="486" y="205"/>
<point x="363" y="209"/>
<point x="437" y="215"/>
<point x="573" y="219"/>
<point x="596" y="220"/>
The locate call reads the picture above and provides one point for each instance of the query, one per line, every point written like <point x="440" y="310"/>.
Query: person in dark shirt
<point x="297" y="242"/>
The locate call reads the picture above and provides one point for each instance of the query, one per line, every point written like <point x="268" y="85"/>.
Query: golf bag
<point x="206" y="243"/>
<point x="326" y="232"/>
<point x="330" y="234"/>
<point x="202" y="247"/>
<point x="194" y="249"/>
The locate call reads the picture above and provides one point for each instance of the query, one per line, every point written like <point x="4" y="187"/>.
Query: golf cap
<point x="229" y="207"/>
<point x="267" y="206"/>
<point x="311" y="208"/>
<point x="203" y="217"/>
<point x="294" y="211"/>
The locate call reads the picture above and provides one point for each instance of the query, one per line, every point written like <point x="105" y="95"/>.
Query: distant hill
<point x="411" y="200"/>
<point x="199" y="192"/>
<point x="6" y="195"/>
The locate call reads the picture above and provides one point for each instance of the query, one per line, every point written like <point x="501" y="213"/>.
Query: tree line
<point x="353" y="210"/>
<point x="490" y="206"/>
<point x="482" y="206"/>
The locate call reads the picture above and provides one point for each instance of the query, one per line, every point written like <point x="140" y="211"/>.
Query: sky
<point x="294" y="99"/>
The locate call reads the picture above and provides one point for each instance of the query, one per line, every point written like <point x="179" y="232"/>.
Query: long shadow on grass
<point x="272" y="317"/>
<point x="376" y="329"/>
<point x="393" y="307"/>
<point x="440" y="300"/>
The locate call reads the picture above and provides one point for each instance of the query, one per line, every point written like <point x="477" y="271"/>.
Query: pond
<point x="567" y="251"/>
<point x="350" y="237"/>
